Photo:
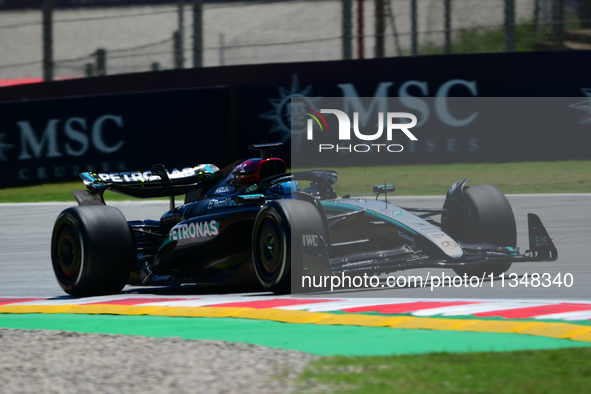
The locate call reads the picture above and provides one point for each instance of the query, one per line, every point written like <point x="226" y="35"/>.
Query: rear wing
<point x="157" y="182"/>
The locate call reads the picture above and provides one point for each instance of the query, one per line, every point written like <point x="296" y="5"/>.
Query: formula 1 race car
<point x="252" y="222"/>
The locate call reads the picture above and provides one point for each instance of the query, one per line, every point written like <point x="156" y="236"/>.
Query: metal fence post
<point x="447" y="28"/>
<point x="197" y="33"/>
<point x="394" y="30"/>
<point x="536" y="15"/>
<point x="584" y="12"/>
<point x="101" y="62"/>
<point x="380" y="28"/>
<point x="509" y="33"/>
<point x="47" y="10"/>
<point x="347" y="29"/>
<point x="221" y="53"/>
<point x="558" y="23"/>
<point x="181" y="30"/>
<point x="413" y="28"/>
<point x="360" y="38"/>
<point x="176" y="50"/>
<point x="89" y="70"/>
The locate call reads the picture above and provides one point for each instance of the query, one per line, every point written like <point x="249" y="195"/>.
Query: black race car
<point x="252" y="222"/>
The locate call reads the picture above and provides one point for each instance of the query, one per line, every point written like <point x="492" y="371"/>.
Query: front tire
<point x="92" y="250"/>
<point x="489" y="219"/>
<point x="271" y="240"/>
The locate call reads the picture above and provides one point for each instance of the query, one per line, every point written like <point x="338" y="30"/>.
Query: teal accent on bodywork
<point x="398" y="224"/>
<point x="340" y="207"/>
<point x="208" y="168"/>
<point x="89" y="177"/>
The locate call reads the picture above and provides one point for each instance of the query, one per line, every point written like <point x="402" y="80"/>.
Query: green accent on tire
<point x="271" y="249"/>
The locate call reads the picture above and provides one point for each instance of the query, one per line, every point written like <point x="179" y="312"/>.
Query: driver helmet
<point x="284" y="189"/>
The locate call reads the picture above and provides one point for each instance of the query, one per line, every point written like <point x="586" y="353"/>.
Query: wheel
<point x="92" y="250"/>
<point x="491" y="221"/>
<point x="271" y="240"/>
<point x="278" y="239"/>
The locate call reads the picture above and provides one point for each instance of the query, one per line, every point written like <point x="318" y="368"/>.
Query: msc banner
<point x="344" y="131"/>
<point x="54" y="140"/>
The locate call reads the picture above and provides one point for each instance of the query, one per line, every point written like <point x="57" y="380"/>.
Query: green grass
<point x="50" y="193"/>
<point x="541" y="371"/>
<point x="491" y="40"/>
<point x="511" y="178"/>
<point x="424" y="179"/>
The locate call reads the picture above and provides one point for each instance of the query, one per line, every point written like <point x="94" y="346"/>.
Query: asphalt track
<point x="25" y="234"/>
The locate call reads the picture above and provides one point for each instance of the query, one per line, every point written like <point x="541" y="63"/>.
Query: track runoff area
<point x="412" y="321"/>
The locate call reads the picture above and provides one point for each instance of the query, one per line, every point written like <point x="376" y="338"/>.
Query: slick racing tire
<point x="92" y="250"/>
<point x="492" y="222"/>
<point x="276" y="238"/>
<point x="271" y="246"/>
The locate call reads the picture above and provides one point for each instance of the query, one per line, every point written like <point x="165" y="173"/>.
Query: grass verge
<point x="492" y="39"/>
<point x="424" y="179"/>
<point x="511" y="178"/>
<point x="540" y="371"/>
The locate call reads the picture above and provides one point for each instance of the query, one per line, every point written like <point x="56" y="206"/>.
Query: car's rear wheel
<point x="488" y="219"/>
<point x="92" y="250"/>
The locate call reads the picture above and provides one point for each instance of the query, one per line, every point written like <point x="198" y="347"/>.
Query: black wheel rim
<point x="270" y="248"/>
<point x="67" y="256"/>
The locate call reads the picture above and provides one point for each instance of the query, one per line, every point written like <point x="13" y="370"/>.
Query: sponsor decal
<point x="309" y="240"/>
<point x="364" y="262"/>
<point x="241" y="166"/>
<point x="449" y="245"/>
<point x="222" y="203"/>
<point x="147" y="176"/>
<point x="252" y="197"/>
<point x="406" y="236"/>
<point x="194" y="230"/>
<point x="399" y="213"/>
<point x="437" y="235"/>
<point x="496" y="253"/>
<point x="252" y="188"/>
<point x="224" y="189"/>
<point x="541" y="240"/>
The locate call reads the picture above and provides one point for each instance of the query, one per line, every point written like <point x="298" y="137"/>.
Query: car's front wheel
<point x="92" y="250"/>
<point x="271" y="242"/>
<point x="487" y="219"/>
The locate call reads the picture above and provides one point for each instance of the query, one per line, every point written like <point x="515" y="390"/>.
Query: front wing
<point x="541" y="248"/>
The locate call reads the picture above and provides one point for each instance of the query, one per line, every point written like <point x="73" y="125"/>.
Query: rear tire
<point x="92" y="250"/>
<point x="492" y="221"/>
